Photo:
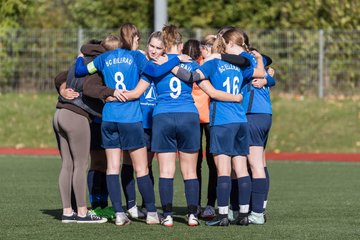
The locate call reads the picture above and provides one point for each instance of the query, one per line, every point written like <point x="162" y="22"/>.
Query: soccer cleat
<point x="265" y="218"/>
<point x="233" y="215"/>
<point x="242" y="219"/>
<point x="91" y="217"/>
<point x="152" y="218"/>
<point x="168" y="221"/>
<point x="107" y="212"/>
<point x="121" y="219"/>
<point x="134" y="212"/>
<point x="69" y="219"/>
<point x="192" y="220"/>
<point x="220" y="220"/>
<point x="256" y="218"/>
<point x="208" y="213"/>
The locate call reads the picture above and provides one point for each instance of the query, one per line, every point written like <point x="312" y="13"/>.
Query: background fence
<point x="306" y="62"/>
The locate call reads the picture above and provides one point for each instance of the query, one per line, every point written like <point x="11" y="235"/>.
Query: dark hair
<point x="192" y="48"/>
<point x="94" y="41"/>
<point x="225" y="29"/>
<point x="128" y="32"/>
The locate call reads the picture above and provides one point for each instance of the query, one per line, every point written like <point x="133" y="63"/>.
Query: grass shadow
<point x="55" y="213"/>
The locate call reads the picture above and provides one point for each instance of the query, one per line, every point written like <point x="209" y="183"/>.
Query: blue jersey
<point x="228" y="78"/>
<point x="256" y="100"/>
<point x="121" y="70"/>
<point x="174" y="95"/>
<point x="147" y="103"/>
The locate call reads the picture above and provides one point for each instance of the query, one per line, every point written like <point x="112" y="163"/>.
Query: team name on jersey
<point x="225" y="67"/>
<point x="186" y="66"/>
<point x="118" y="61"/>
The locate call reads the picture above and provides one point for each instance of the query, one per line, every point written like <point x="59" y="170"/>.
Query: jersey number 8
<point x="119" y="79"/>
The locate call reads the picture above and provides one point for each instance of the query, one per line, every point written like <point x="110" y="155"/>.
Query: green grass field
<point x="308" y="200"/>
<point x="310" y="125"/>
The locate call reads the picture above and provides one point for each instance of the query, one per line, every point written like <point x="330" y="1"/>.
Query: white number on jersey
<point x="235" y="88"/>
<point x="175" y="87"/>
<point x="119" y="79"/>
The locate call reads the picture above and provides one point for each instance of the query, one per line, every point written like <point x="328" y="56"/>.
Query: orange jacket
<point x="202" y="101"/>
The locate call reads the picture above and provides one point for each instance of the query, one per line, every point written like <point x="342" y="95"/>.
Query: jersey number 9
<point x="175" y="87"/>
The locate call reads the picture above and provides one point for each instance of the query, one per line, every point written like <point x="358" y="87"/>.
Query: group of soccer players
<point x="149" y="108"/>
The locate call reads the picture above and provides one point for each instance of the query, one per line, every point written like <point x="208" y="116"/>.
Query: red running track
<point x="288" y="156"/>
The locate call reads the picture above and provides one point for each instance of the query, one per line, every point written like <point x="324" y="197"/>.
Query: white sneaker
<point x="256" y="218"/>
<point x="168" y="221"/>
<point x="152" y="218"/>
<point x="134" y="212"/>
<point x="232" y="215"/>
<point x="122" y="219"/>
<point x="192" y="220"/>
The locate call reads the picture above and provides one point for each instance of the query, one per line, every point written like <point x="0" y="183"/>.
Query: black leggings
<point x="211" y="193"/>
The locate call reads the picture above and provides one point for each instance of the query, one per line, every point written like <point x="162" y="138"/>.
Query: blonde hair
<point x="237" y="37"/>
<point x="157" y="35"/>
<point x="171" y="36"/>
<point x="111" y="42"/>
<point x="208" y="41"/>
<point x="219" y="45"/>
<point x="128" y="32"/>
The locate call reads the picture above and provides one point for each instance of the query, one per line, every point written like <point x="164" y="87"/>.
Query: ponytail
<point x="219" y="45"/>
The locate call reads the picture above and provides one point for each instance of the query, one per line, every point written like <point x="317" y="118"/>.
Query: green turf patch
<point x="308" y="200"/>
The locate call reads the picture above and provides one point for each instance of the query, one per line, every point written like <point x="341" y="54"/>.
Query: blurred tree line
<point x="24" y="42"/>
<point x="109" y="14"/>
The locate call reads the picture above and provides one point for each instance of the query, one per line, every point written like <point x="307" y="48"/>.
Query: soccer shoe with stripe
<point x="256" y="218"/>
<point x="134" y="212"/>
<point x="242" y="219"/>
<point x="91" y="217"/>
<point x="233" y="215"/>
<point x="220" y="220"/>
<point x="167" y="221"/>
<point x="107" y="212"/>
<point x="69" y="219"/>
<point x="208" y="213"/>
<point x="192" y="220"/>
<point x="152" y="218"/>
<point x="121" y="219"/>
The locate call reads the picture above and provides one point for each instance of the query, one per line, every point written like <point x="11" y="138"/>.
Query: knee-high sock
<point x="166" y="189"/>
<point x="258" y="194"/>
<point x="244" y="184"/>
<point x="98" y="193"/>
<point x="192" y="194"/>
<point x="147" y="192"/>
<point x="113" y="185"/>
<point x="152" y="182"/>
<point x="223" y="193"/>
<point x="128" y="185"/>
<point x="267" y="186"/>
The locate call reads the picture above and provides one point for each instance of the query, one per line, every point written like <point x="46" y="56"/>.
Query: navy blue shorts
<point x="148" y="137"/>
<point x="95" y="130"/>
<point x="230" y="139"/>
<point x="259" y="128"/>
<point x="126" y="136"/>
<point x="176" y="131"/>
